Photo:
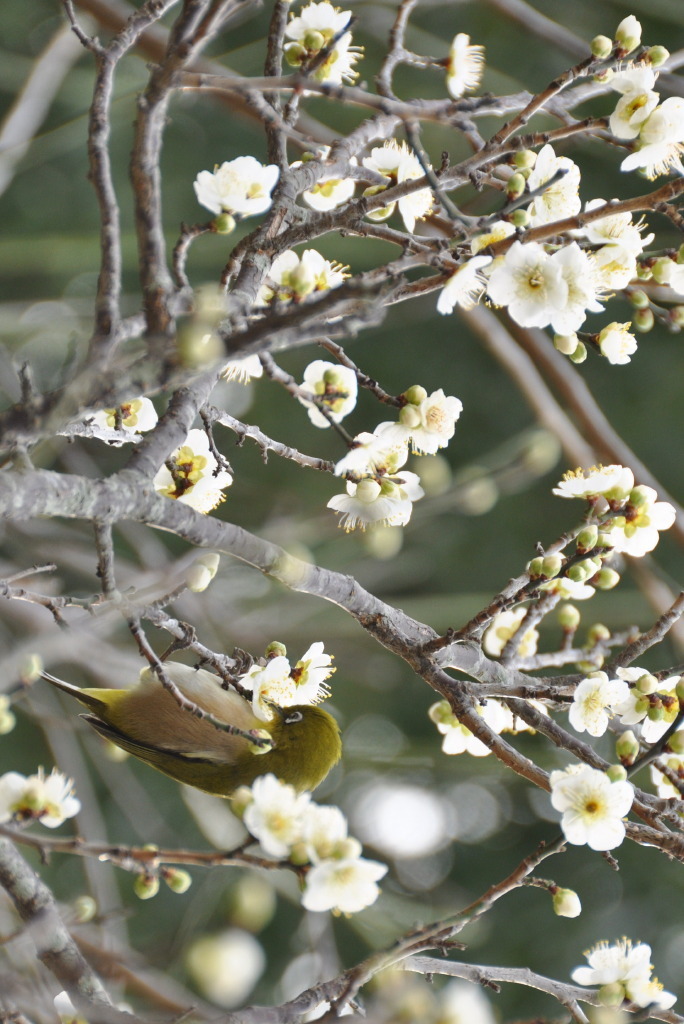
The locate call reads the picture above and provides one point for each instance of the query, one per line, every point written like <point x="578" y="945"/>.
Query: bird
<point x="148" y="722"/>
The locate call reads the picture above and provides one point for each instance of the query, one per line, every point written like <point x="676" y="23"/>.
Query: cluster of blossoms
<point x="291" y="827"/>
<point x="622" y="971"/>
<point x="273" y="680"/>
<point x="320" y="27"/>
<point x="49" y="800"/>
<point x="636" y="697"/>
<point x="379" y="490"/>
<point x="458" y="738"/>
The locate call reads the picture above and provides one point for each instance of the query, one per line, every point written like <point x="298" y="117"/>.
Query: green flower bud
<point x="569" y="617"/>
<point x="616" y="773"/>
<point x="298" y="855"/>
<point x="656" y="712"/>
<point x="596" y="634"/>
<point x="525" y="159"/>
<point x="643" y="272"/>
<point x="656" y="56"/>
<point x="601" y="47"/>
<point x="566" y="343"/>
<point x="643" y="320"/>
<point x="415" y="395"/>
<point x="584" y="570"/>
<point x="677" y="316"/>
<point x="580" y="353"/>
<point x="515" y="186"/>
<point x="145" y="886"/>
<point x="295" y="54"/>
<point x="551" y="565"/>
<point x="177" y="880"/>
<point x="606" y="579"/>
<point x="676" y="742"/>
<point x="224" y="224"/>
<point x="587" y="538"/>
<point x="85" y="909"/>
<point x="566" y="903"/>
<point x="314" y="40"/>
<point x="535" y="568"/>
<point x="646" y="684"/>
<point x="627" y="748"/>
<point x="409" y="416"/>
<point x="639" y="299"/>
<point x="202" y="571"/>
<point x="240" y="800"/>
<point x="605" y="539"/>
<point x="662" y="270"/>
<point x="519" y="218"/>
<point x="276" y="650"/>
<point x="641" y="705"/>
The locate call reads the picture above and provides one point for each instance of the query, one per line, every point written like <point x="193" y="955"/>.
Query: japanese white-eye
<point x="147" y="721"/>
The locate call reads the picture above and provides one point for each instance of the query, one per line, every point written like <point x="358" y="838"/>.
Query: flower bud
<point x="525" y="159"/>
<point x="368" y="490"/>
<point x="616" y="773"/>
<point x="656" y="56"/>
<point x="639" y="299"/>
<point x="409" y="416"/>
<point x="569" y="617"/>
<point x="646" y="684"/>
<point x="605" y="539"/>
<point x="276" y="650"/>
<point x="676" y="742"/>
<point x="606" y="579"/>
<point x="656" y="712"/>
<point x="643" y="320"/>
<point x="587" y="538"/>
<point x="177" y="880"/>
<point x="202" y="571"/>
<point x="566" y="343"/>
<point x="601" y="47"/>
<point x="551" y="565"/>
<point x="224" y="224"/>
<point x="643" y="271"/>
<point x="314" y="40"/>
<point x="627" y="748"/>
<point x="515" y="186"/>
<point x="580" y="353"/>
<point x="596" y="634"/>
<point x="7" y="719"/>
<point x="85" y="909"/>
<point x="677" y="316"/>
<point x="415" y="395"/>
<point x="145" y="886"/>
<point x="584" y="570"/>
<point x="519" y="218"/>
<point x="295" y="54"/>
<point x="240" y="800"/>
<point x="566" y="903"/>
<point x="535" y="568"/>
<point x="628" y="34"/>
<point x="662" y="270"/>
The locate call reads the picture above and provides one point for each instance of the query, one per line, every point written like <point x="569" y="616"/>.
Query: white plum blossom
<point x="243" y="370"/>
<point x="637" y="101"/>
<point x="614" y="483"/>
<point x="615" y="229"/>
<point x="613" y="267"/>
<point x="310" y="674"/>
<point x="592" y="806"/>
<point x="465" y="287"/>
<point x="675" y="764"/>
<point x="397" y="162"/>
<point x="458" y="738"/>
<point x="577" y="271"/>
<point x="336" y="386"/>
<point x="503" y="627"/>
<point x="49" y="800"/>
<point x="559" y="200"/>
<point x="385" y="502"/>
<point x="465" y="65"/>
<point x="661" y="140"/>
<point x="635" y="707"/>
<point x="374" y="455"/>
<point x="324" y="833"/>
<point x="270" y="683"/>
<point x="132" y="417"/>
<point x="429" y="424"/>
<point x="617" y="343"/>
<point x="627" y="965"/>
<point x="242" y="186"/>
<point x="293" y="277"/>
<point x="496" y="232"/>
<point x="530" y="284"/>
<point x="344" y="886"/>
<point x="638" y="531"/>
<point x="594" y="702"/>
<point x="274" y="815"/>
<point x="196" y="479"/>
<point x="313" y="30"/>
<point x="569" y="590"/>
<point x="329" y="191"/>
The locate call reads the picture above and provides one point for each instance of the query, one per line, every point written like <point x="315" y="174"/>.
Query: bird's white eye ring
<point x="296" y="716"/>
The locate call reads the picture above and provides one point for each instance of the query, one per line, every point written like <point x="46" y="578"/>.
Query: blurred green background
<point x="448" y="826"/>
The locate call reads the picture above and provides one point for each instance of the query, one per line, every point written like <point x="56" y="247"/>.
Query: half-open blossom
<point x="465" y="65"/>
<point x="374" y="455"/>
<point x="496" y="232"/>
<point x="336" y="388"/>
<point x="242" y="186"/>
<point x="49" y="800"/>
<point x="638" y="531"/>
<point x="430" y="424"/>
<point x="530" y="284"/>
<point x="310" y="674"/>
<point x="313" y="30"/>
<point x="560" y="199"/>
<point x="274" y="816"/>
<point x="465" y="287"/>
<point x="617" y="343"/>
<point x="192" y="475"/>
<point x="343" y="886"/>
<point x="386" y="502"/>
<point x="397" y="162"/>
<point x="637" y="101"/>
<point x="627" y="965"/>
<point x="594" y="701"/>
<point x="592" y="806"/>
<point x="614" y="483"/>
<point x="661" y="140"/>
<point x="293" y="277"/>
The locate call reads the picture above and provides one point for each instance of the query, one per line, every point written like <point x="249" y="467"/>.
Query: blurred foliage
<point x="461" y="546"/>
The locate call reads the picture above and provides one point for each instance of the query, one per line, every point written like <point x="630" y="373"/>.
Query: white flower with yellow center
<point x="496" y="232"/>
<point x="314" y="30"/>
<point x="614" y="483"/>
<point x="429" y="424"/>
<point x="293" y="277"/>
<point x="49" y="800"/>
<point x="343" y="886"/>
<point x="637" y="532"/>
<point x="616" y="229"/>
<point x="382" y="502"/>
<point x="271" y="683"/>
<point x="613" y="267"/>
<point x="465" y="66"/>
<point x="310" y="674"/>
<point x="275" y="815"/>
<point x="243" y="370"/>
<point x="328" y="192"/>
<point x="465" y="287"/>
<point x="661" y="141"/>
<point x="458" y="738"/>
<point x="334" y="385"/>
<point x="559" y="200"/>
<point x="577" y="271"/>
<point x="627" y="965"/>
<point x="397" y="162"/>
<point x="637" y="101"/>
<point x="133" y="417"/>
<point x="617" y="343"/>
<point x="242" y="186"/>
<point x="592" y="806"/>
<point x="595" y="701"/>
<point x="324" y="829"/>
<point x="664" y="788"/>
<point x="530" y="284"/>
<point x="192" y="475"/>
<point x="373" y="455"/>
<point x="503" y="627"/>
<point x="650" y="710"/>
